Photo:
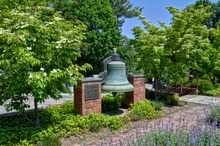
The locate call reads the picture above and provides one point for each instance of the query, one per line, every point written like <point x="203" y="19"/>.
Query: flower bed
<point x="61" y="121"/>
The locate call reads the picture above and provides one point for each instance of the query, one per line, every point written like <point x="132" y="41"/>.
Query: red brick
<point x="83" y="106"/>
<point x="138" y="93"/>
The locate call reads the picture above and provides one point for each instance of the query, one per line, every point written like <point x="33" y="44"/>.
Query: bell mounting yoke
<point x="115" y="55"/>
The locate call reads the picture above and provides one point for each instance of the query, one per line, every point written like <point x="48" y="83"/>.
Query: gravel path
<point x="195" y="117"/>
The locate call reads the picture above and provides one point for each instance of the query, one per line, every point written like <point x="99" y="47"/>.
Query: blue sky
<point x="155" y="11"/>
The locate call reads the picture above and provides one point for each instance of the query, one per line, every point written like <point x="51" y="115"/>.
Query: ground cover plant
<point x="143" y="110"/>
<point x="179" y="129"/>
<point x="172" y="100"/>
<point x="215" y="91"/>
<point x="62" y="121"/>
<point x="111" y="103"/>
<point x="55" y="121"/>
<point x="180" y="138"/>
<point x="214" y="115"/>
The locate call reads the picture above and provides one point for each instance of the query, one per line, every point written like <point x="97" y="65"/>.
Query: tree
<point x="124" y="9"/>
<point x="214" y="18"/>
<point x="210" y="66"/>
<point x="149" y="44"/>
<point x="103" y="19"/>
<point x="187" y="42"/>
<point x="170" y="53"/>
<point x="39" y="50"/>
<point x="214" y="64"/>
<point x="127" y="53"/>
<point x="102" y="33"/>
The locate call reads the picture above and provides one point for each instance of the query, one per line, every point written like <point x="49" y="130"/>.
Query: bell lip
<point x="119" y="88"/>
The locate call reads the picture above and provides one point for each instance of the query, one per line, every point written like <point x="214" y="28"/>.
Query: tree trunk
<point x="156" y="89"/>
<point x="181" y="89"/>
<point x="36" y="117"/>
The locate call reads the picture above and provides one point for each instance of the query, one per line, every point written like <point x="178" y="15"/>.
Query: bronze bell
<point x="116" y="79"/>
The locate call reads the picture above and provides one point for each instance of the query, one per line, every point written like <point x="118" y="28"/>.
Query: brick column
<point x="87" y="96"/>
<point x="138" y="81"/>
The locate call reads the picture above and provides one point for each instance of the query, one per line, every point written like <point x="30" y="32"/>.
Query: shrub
<point x="157" y="105"/>
<point x="213" y="92"/>
<point x="172" y="100"/>
<point x="205" y="85"/>
<point x="97" y="121"/>
<point x="57" y="121"/>
<point x="50" y="141"/>
<point x="111" y="103"/>
<point x="214" y="115"/>
<point x="142" y="110"/>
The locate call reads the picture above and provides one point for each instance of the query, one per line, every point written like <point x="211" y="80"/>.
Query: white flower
<point x="30" y="75"/>
<point x="29" y="48"/>
<point x="57" y="18"/>
<point x="1" y="30"/>
<point x="42" y="69"/>
<point x="31" y="17"/>
<point x="54" y="71"/>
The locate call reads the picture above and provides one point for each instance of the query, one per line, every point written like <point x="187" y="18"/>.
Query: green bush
<point x="157" y="105"/>
<point x="172" y="100"/>
<point x="205" y="85"/>
<point x="213" y="92"/>
<point x="111" y="103"/>
<point x="55" y="122"/>
<point x="214" y="114"/>
<point x="61" y="121"/>
<point x="97" y="121"/>
<point x="142" y="110"/>
<point x="50" y="141"/>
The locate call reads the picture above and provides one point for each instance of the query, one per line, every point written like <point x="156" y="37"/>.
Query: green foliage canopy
<point x="172" y="53"/>
<point x="39" y="50"/>
<point x="103" y="33"/>
<point x="103" y="19"/>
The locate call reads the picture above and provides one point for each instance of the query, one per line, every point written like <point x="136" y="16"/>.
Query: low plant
<point x="157" y="105"/>
<point x="215" y="91"/>
<point x="164" y="97"/>
<point x="204" y="85"/>
<point x="57" y="121"/>
<point x="214" y="115"/>
<point x="179" y="138"/>
<point x="50" y="141"/>
<point x="111" y="103"/>
<point x="142" y="110"/>
<point x="172" y="100"/>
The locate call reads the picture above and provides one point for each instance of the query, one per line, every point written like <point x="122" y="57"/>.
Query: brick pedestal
<point x="87" y="96"/>
<point x="138" y="81"/>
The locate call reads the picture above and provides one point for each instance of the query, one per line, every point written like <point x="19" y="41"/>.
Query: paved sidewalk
<point x="48" y="102"/>
<point x="200" y="99"/>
